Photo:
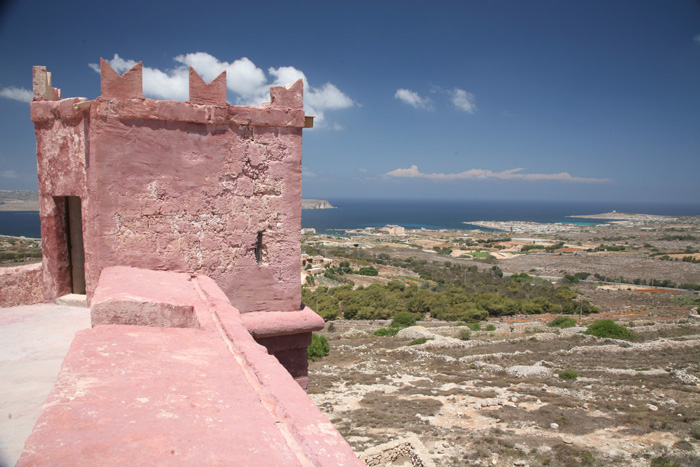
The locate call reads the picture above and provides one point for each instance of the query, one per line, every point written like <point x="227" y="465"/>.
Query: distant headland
<point x="16" y="200"/>
<point x="25" y="200"/>
<point x="316" y="204"/>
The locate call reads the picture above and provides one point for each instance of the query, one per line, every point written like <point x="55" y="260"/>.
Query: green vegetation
<point x="319" y="347"/>
<point x="663" y="462"/>
<point x="368" y="271"/>
<point x="386" y="331"/>
<point x="443" y="250"/>
<point x="490" y="327"/>
<point x="562" y="322"/>
<point x="568" y="375"/>
<point x="16" y="250"/>
<point x="604" y="247"/>
<point x="687" y="300"/>
<point x="607" y="328"/>
<point x="402" y="320"/>
<point x="420" y="340"/>
<point x="678" y="237"/>
<point x="447" y="291"/>
<point x="465" y="334"/>
<point x="650" y="282"/>
<point x="695" y="430"/>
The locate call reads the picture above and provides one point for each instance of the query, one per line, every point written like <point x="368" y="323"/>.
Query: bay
<point x="429" y="214"/>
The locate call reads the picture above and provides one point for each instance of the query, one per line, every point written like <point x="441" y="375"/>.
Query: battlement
<point x="122" y="97"/>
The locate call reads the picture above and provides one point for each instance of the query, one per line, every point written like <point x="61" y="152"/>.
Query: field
<point x="497" y="399"/>
<point x="524" y="393"/>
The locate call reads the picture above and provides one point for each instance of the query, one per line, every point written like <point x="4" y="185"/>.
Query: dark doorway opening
<point x="76" y="252"/>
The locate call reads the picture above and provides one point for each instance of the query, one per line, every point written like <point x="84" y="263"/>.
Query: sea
<point x="429" y="214"/>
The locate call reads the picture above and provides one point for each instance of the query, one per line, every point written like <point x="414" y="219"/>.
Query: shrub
<point x="319" y="347"/>
<point x="663" y="462"/>
<point x="608" y="328"/>
<point x="331" y="327"/>
<point x="403" y="319"/>
<point x="368" y="271"/>
<point x="420" y="340"/>
<point x="474" y="326"/>
<point x="465" y="334"/>
<point x="386" y="332"/>
<point x="568" y="375"/>
<point x="490" y="327"/>
<point x="562" y="322"/>
<point x="695" y="430"/>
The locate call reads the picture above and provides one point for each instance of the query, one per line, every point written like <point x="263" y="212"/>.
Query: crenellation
<point x="127" y="86"/>
<point x="289" y="96"/>
<point x="202" y="93"/>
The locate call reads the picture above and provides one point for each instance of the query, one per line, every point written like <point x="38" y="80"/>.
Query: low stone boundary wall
<point x="21" y="285"/>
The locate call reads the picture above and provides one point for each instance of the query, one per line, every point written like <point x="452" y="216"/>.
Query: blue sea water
<point x="431" y="214"/>
<point x="456" y="214"/>
<point x="20" y="223"/>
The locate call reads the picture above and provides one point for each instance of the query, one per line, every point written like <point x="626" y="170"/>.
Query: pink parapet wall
<point x="200" y="187"/>
<point x="21" y="285"/>
<point x="138" y="390"/>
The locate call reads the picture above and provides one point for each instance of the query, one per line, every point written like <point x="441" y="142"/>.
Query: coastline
<point x="626" y="216"/>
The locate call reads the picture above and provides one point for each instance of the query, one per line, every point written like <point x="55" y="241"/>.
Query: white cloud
<point x="413" y="99"/>
<point x="306" y="172"/>
<point x="485" y="174"/>
<point x="18" y="94"/>
<point x="8" y="174"/>
<point x="244" y="79"/>
<point x="463" y="100"/>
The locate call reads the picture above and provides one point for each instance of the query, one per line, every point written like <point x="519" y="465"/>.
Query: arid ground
<point x="497" y="399"/>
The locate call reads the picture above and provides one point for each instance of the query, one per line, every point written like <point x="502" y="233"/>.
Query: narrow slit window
<point x="258" y="248"/>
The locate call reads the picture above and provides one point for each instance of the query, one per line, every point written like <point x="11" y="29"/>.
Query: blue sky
<point x="587" y="100"/>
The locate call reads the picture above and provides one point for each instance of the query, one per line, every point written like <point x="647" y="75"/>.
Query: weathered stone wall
<point x="183" y="186"/>
<point x="61" y="143"/>
<point x="21" y="285"/>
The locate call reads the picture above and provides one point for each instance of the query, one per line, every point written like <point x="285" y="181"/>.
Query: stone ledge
<point x="264" y="324"/>
<point x="140" y="297"/>
<point x="151" y="109"/>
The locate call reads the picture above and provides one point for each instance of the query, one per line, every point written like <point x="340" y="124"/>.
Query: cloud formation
<point x="8" y="174"/>
<point x="463" y="100"/>
<point x="485" y="174"/>
<point x="413" y="99"/>
<point x="18" y="94"/>
<point x="248" y="83"/>
<point x="697" y="38"/>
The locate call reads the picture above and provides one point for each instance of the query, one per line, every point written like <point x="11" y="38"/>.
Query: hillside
<point x="15" y="200"/>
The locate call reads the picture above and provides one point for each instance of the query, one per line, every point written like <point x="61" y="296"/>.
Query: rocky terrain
<point x="498" y="398"/>
<point x="526" y="393"/>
